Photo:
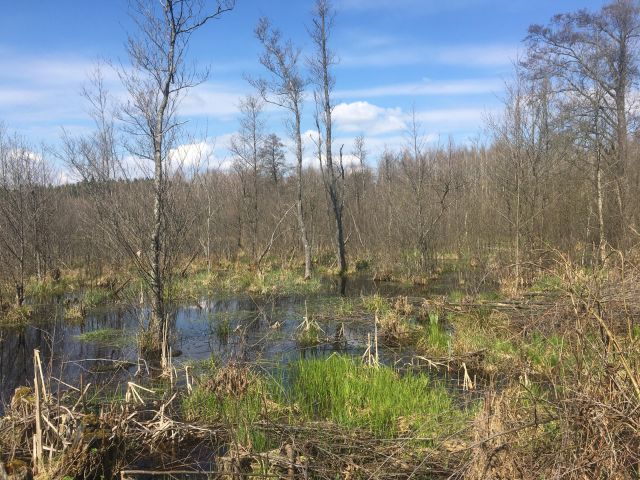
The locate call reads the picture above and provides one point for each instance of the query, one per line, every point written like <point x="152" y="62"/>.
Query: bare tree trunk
<point x="621" y="161"/>
<point x="338" y="209"/>
<point x="600" y="204"/>
<point x="334" y="181"/>
<point x="300" y="207"/>
<point x="158" y="77"/>
<point x="158" y="318"/>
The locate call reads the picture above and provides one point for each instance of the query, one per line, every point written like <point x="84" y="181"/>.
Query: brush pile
<point x="64" y="437"/>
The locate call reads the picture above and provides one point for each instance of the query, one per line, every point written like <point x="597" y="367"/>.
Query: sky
<point x="447" y="60"/>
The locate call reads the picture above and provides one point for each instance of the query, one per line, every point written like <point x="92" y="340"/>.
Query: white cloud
<point x="386" y="128"/>
<point x="65" y="176"/>
<point x="41" y="93"/>
<point x="373" y="120"/>
<point x="365" y="117"/>
<point x="192" y="155"/>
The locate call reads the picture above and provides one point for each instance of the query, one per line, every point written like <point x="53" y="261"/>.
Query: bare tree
<point x="360" y="153"/>
<point x="246" y="146"/>
<point x="273" y="159"/>
<point x="158" y="78"/>
<point x="285" y="88"/>
<point x="24" y="177"/>
<point x="428" y="186"/>
<point x="595" y="54"/>
<point x="321" y="65"/>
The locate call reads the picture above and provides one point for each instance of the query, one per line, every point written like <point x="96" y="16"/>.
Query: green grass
<point x="107" y="336"/>
<point x="309" y="333"/>
<point x="239" y="412"/>
<point x="223" y="327"/>
<point x="337" y="389"/>
<point x="93" y="297"/>
<point x="456" y="296"/>
<point x="47" y="288"/>
<point x="345" y="307"/>
<point x="544" y="352"/>
<point x="376" y="304"/>
<point x="343" y="390"/>
<point x="547" y="283"/>
<point x="435" y="333"/>
<point x="241" y="278"/>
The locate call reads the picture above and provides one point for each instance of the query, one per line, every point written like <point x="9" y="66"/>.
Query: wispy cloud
<point x="212" y="99"/>
<point x="426" y="88"/>
<point x="420" y="6"/>
<point x="41" y="93"/>
<point x="405" y="54"/>
<point x="445" y="117"/>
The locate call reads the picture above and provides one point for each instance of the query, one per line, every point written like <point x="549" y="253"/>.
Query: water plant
<point x="223" y="328"/>
<point x="375" y="303"/>
<point x="436" y="333"/>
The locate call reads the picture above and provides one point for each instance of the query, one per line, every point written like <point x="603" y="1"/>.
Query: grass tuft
<point x="343" y="390"/>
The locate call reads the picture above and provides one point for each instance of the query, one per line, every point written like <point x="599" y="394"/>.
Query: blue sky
<point x="447" y="59"/>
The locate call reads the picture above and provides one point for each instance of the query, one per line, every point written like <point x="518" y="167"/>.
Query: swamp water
<point x="262" y="330"/>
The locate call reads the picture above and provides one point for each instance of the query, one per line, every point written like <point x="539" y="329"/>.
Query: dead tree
<point x="285" y="88"/>
<point x="246" y="146"/>
<point x="321" y="64"/>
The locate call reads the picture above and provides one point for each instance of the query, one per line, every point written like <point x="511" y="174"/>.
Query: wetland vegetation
<point x="453" y="312"/>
